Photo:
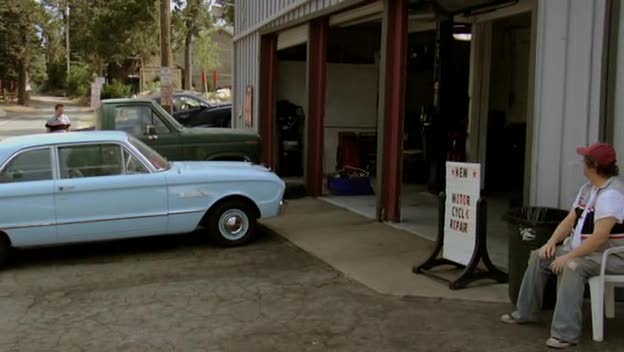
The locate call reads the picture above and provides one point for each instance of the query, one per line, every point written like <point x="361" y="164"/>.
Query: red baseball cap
<point x="602" y="153"/>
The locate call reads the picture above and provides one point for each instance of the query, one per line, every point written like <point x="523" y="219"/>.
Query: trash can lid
<point x="535" y="216"/>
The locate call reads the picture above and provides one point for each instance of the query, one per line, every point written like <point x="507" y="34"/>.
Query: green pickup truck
<point x="148" y="121"/>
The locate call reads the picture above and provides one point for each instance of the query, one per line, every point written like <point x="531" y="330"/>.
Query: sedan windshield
<point x="157" y="160"/>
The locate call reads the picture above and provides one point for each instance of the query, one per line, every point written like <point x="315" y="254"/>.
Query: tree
<point x="190" y="18"/>
<point x="110" y="37"/>
<point x="20" y="30"/>
<point x="207" y="51"/>
<point x="229" y="13"/>
<point x="53" y="38"/>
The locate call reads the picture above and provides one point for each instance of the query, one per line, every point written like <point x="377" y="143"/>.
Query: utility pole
<point x="166" y="80"/>
<point x="67" y="32"/>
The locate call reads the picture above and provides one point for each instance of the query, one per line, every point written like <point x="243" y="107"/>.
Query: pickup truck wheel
<point x="5" y="249"/>
<point x="232" y="223"/>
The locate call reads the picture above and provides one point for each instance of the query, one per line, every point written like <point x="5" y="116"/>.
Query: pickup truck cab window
<point x="90" y="160"/>
<point x="134" y="120"/>
<point x="30" y="165"/>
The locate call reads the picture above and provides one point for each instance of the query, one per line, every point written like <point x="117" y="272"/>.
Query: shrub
<point x="116" y="89"/>
<point x="78" y="82"/>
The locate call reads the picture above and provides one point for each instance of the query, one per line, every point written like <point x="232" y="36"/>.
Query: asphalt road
<point x="31" y="119"/>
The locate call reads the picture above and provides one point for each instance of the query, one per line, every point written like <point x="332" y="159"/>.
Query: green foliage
<point x="21" y="49"/>
<point x="207" y="52"/>
<point x="57" y="73"/>
<point x="102" y="32"/>
<point x="37" y="70"/>
<point x="189" y="18"/>
<point x="116" y="90"/>
<point x="152" y="85"/>
<point x="228" y="14"/>
<point x="124" y="28"/>
<point x="79" y="80"/>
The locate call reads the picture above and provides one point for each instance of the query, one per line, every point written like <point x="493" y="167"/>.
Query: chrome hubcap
<point x="233" y="224"/>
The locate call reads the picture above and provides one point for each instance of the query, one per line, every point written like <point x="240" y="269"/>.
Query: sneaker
<point x="512" y="319"/>
<point x="553" y="342"/>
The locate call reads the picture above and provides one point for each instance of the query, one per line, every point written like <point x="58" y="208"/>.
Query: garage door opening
<point x="495" y="136"/>
<point x="290" y="111"/>
<point x="433" y="134"/>
<point x="351" y="113"/>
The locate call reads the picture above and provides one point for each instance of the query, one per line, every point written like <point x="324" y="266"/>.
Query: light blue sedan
<point x="89" y="186"/>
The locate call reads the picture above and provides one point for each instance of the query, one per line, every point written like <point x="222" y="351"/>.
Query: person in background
<point x="59" y="122"/>
<point x="593" y="225"/>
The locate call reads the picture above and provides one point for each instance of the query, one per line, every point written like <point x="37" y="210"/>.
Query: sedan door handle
<point x="66" y="188"/>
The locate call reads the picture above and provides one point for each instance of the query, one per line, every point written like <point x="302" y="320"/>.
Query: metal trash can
<point x="530" y="228"/>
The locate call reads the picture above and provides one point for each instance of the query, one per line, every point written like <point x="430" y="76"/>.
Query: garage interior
<point x="290" y="111"/>
<point x="501" y="142"/>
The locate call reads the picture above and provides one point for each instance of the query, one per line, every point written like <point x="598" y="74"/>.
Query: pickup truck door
<point x="135" y="119"/>
<point x="164" y="139"/>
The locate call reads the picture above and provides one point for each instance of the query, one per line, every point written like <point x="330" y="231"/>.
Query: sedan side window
<point x="90" y="160"/>
<point x="33" y="165"/>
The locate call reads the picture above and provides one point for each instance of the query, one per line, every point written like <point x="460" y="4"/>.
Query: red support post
<point x="214" y="80"/>
<point x="268" y="97"/>
<point x="396" y="69"/>
<point x="317" y="68"/>
<point x="203" y="77"/>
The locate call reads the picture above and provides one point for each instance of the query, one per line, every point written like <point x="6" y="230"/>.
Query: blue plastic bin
<point x="350" y="186"/>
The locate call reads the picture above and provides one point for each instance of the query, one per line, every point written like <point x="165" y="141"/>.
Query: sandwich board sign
<point x="462" y="230"/>
<point x="463" y="188"/>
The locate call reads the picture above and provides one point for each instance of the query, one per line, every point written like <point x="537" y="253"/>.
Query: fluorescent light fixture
<point x="464" y="37"/>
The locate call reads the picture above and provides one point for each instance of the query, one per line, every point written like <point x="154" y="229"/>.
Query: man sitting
<point x="594" y="225"/>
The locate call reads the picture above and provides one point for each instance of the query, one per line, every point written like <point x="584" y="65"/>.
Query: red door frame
<point x="268" y="97"/>
<point x="317" y="84"/>
<point x="396" y="71"/>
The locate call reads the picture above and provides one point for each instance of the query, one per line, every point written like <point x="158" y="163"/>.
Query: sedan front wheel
<point x="232" y="223"/>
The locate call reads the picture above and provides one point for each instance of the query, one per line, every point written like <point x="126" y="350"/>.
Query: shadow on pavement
<point x="116" y="250"/>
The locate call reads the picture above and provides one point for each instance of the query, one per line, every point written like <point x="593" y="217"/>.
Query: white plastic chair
<point x="601" y="289"/>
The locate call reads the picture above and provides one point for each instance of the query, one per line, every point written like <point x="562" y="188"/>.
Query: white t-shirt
<point x="602" y="203"/>
<point x="62" y="120"/>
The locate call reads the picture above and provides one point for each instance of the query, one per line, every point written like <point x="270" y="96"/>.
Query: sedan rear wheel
<point x="232" y="223"/>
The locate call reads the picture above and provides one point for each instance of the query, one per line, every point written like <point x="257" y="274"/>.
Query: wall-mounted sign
<point x="249" y="107"/>
<point x="463" y="188"/>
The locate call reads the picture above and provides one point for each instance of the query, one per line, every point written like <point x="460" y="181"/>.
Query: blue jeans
<point x="567" y="318"/>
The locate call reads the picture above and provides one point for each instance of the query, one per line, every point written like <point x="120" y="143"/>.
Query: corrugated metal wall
<point x="618" y="115"/>
<point x="568" y="96"/>
<point x="250" y="13"/>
